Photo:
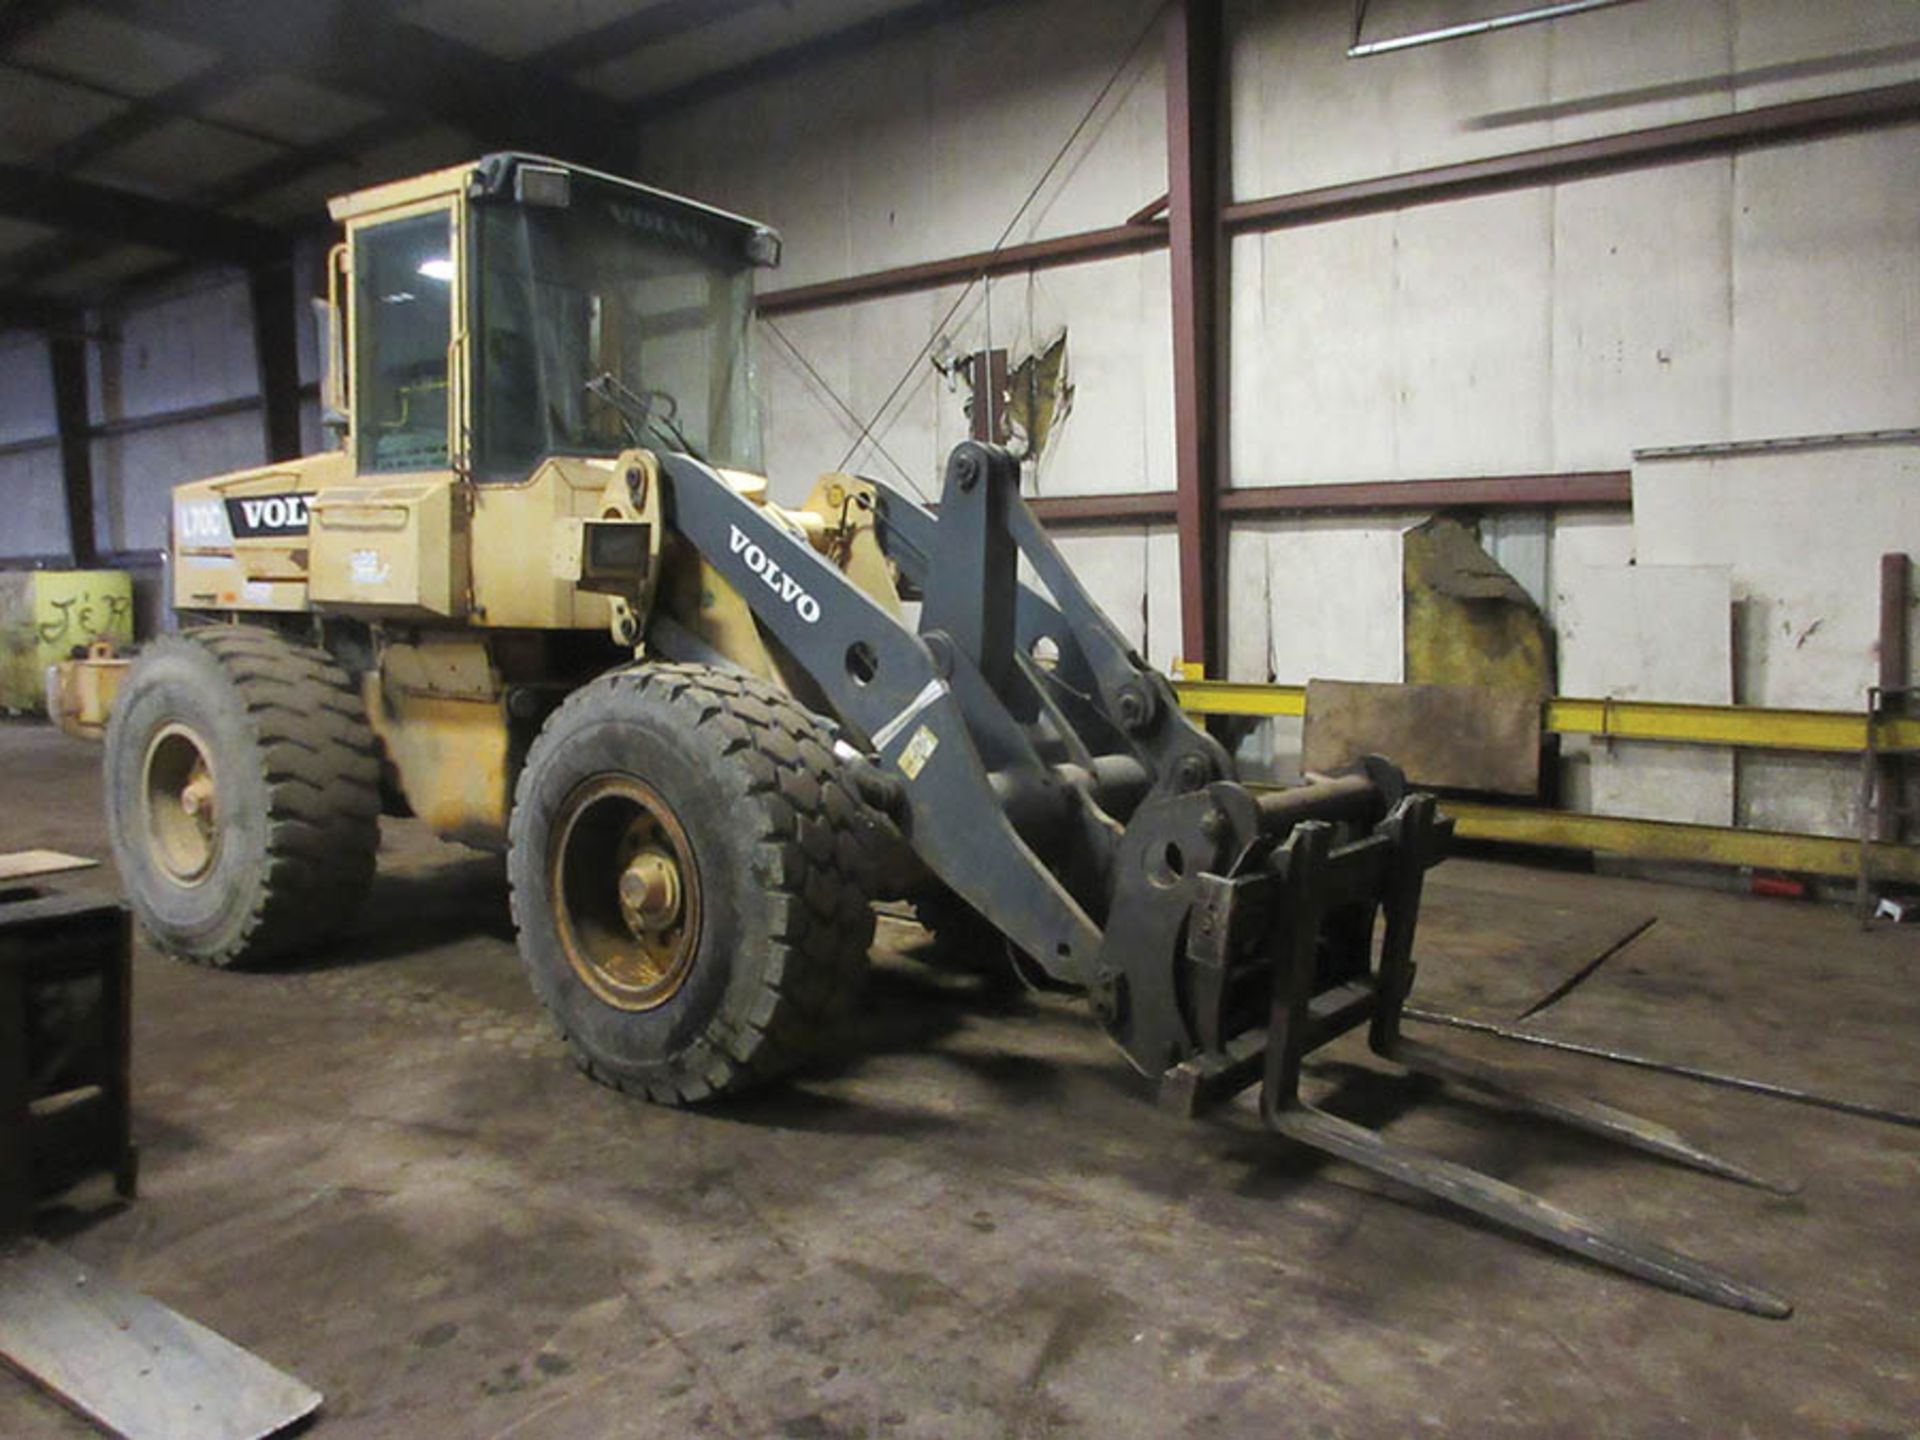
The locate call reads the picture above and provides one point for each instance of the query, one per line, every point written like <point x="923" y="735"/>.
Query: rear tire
<point x="727" y="787"/>
<point x="242" y="790"/>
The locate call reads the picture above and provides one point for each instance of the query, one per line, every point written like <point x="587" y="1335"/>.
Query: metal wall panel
<point x="35" y="522"/>
<point x="134" y="473"/>
<point x="926" y="146"/>
<point x="193" y="348"/>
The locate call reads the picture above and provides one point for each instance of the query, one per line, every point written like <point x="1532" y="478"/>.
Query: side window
<point x="403" y="323"/>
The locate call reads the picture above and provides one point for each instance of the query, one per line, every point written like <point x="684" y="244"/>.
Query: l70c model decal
<point x="200" y="525"/>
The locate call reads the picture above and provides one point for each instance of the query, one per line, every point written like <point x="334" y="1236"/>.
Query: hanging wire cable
<point x="913" y="366"/>
<point x="834" y="395"/>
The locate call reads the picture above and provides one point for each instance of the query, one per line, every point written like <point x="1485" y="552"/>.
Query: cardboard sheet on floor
<point x="24" y="864"/>
<point x="129" y="1363"/>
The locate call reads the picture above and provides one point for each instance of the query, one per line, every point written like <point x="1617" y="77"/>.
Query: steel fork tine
<point x="1511" y="1206"/>
<point x="1578" y="1111"/>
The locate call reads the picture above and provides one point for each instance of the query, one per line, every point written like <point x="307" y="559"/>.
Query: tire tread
<point x="816" y="953"/>
<point x="319" y="757"/>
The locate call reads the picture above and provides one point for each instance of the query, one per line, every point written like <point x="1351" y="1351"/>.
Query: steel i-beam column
<point x="1896" y="585"/>
<point x="276" y="351"/>
<point x="1195" y="189"/>
<point x="67" y="354"/>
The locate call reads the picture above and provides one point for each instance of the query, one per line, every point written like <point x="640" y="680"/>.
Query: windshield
<point x="609" y="285"/>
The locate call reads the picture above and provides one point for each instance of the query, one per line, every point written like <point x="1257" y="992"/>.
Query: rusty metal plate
<point x="1459" y="737"/>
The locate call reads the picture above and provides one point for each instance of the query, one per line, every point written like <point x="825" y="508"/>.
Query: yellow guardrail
<point x="1837" y="732"/>
<point x="1750" y="727"/>
<point x="1692" y="844"/>
<point x="1235" y="697"/>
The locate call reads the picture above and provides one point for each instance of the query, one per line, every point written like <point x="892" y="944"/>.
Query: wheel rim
<point x="626" y="892"/>
<point x="180" y="802"/>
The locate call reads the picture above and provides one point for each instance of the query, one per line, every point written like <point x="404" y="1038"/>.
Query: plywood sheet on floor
<point x="138" y="1368"/>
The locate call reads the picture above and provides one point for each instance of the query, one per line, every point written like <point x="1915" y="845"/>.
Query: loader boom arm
<point x="899" y="694"/>
<point x="1221" y="935"/>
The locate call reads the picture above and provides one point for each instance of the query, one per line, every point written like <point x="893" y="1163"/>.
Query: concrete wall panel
<point x="927" y="145"/>
<point x="1335" y="119"/>
<point x="859" y="353"/>
<point x="1641" y="306"/>
<point x="1316" y="599"/>
<point x="1826" y="284"/>
<point x="1652" y="632"/>
<point x="1118" y="436"/>
<point x="1790" y="50"/>
<point x="1112" y="564"/>
<point x="1163" y="646"/>
<point x="1587" y="538"/>
<point x="1314" y="387"/>
<point x="1563" y="329"/>
<point x="1473" y="332"/>
<point x="1620" y="70"/>
<point x="1133" y="574"/>
<point x="1802" y="533"/>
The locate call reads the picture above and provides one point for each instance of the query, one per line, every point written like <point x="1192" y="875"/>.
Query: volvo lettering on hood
<point x="255" y="515"/>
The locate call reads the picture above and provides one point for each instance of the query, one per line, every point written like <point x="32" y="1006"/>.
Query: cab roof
<point x="493" y="175"/>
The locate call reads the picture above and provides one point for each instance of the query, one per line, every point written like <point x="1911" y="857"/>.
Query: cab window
<point x="610" y="287"/>
<point x="403" y="323"/>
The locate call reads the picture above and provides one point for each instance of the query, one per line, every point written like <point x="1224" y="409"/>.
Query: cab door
<point x="402" y="333"/>
<point x="395" y="540"/>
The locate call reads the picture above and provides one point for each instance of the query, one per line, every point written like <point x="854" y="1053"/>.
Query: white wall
<point x="1547" y="330"/>
<point x="923" y="148"/>
<point x="1558" y="328"/>
<point x="1771" y="293"/>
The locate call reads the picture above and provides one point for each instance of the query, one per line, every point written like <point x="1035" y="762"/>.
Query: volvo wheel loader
<point x="536" y="593"/>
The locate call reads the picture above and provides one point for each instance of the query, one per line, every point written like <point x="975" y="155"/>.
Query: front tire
<point x="688" y="868"/>
<point x="242" y="790"/>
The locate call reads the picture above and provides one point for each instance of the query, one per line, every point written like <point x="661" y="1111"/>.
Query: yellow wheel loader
<point x="537" y="595"/>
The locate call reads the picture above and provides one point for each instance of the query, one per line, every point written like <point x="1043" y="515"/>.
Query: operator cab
<point x="520" y="308"/>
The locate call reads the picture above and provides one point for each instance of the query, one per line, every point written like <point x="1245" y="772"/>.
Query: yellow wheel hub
<point x="179" y="802"/>
<point x="650" y="892"/>
<point x="626" y="895"/>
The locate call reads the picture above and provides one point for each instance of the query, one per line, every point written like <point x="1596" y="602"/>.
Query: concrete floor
<point x="381" y="1173"/>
